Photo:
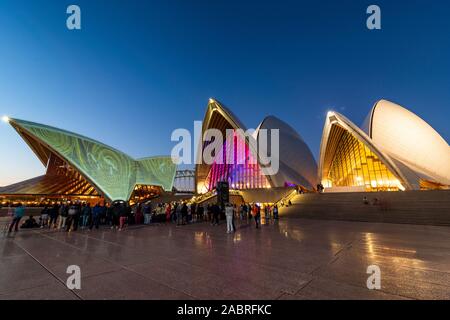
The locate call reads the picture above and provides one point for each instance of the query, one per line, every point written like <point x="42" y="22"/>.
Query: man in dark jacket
<point x="96" y="215"/>
<point x="216" y="213"/>
<point x="184" y="212"/>
<point x="54" y="212"/>
<point x="116" y="210"/>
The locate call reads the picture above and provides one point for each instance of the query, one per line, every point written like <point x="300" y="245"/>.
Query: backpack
<point x="72" y="211"/>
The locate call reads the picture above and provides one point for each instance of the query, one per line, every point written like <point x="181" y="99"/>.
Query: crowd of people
<point x="70" y="216"/>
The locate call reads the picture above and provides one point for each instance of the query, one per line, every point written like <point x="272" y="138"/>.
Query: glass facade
<point x="355" y="165"/>
<point x="240" y="169"/>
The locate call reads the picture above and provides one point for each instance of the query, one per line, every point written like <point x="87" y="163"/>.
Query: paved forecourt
<point x="291" y="259"/>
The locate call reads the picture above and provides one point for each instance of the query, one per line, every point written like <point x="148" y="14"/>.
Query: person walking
<point x="229" y="212"/>
<point x="19" y="212"/>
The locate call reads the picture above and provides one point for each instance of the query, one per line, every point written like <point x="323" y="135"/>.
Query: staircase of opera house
<point x="409" y="207"/>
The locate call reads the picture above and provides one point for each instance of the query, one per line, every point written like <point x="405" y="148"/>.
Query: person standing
<point x="116" y="210"/>
<point x="63" y="212"/>
<point x="10" y="211"/>
<point x="139" y="214"/>
<point x="178" y="213"/>
<point x="147" y="213"/>
<point x="241" y="212"/>
<point x="200" y="212"/>
<point x="258" y="215"/>
<point x="18" y="214"/>
<point x="108" y="214"/>
<point x="86" y="214"/>
<point x="209" y="213"/>
<point x="253" y="213"/>
<point x="184" y="213"/>
<point x="194" y="213"/>
<point x="44" y="217"/>
<point x="96" y="213"/>
<point x="229" y="211"/>
<point x="249" y="209"/>
<point x="76" y="218"/>
<point x="275" y="212"/>
<point x="189" y="214"/>
<point x="123" y="215"/>
<point x="168" y="211"/>
<point x="266" y="214"/>
<point x="233" y="217"/>
<point x="54" y="211"/>
<point x="256" y="212"/>
<point x="71" y="218"/>
<point x="216" y="214"/>
<point x="173" y="213"/>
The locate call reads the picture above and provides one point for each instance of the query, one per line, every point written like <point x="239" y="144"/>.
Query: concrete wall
<point x="265" y="195"/>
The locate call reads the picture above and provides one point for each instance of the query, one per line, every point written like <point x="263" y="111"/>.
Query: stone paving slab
<point x="291" y="259"/>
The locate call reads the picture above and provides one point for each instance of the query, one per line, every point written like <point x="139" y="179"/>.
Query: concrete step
<point x="412" y="207"/>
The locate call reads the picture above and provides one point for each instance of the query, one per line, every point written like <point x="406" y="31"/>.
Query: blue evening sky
<point x="140" y="69"/>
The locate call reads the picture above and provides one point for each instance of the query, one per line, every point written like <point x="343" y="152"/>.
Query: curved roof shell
<point x="410" y="140"/>
<point x="112" y="172"/>
<point x="296" y="161"/>
<point x="330" y="143"/>
<point x="297" y="164"/>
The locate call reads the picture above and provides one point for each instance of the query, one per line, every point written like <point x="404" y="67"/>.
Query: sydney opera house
<point x="297" y="166"/>
<point x="84" y="169"/>
<point x="395" y="150"/>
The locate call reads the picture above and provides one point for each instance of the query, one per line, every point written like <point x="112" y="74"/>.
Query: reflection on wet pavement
<point x="289" y="259"/>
